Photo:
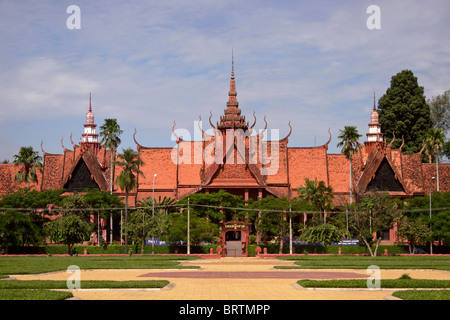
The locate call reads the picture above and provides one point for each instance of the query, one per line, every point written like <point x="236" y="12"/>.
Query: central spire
<point x="232" y="101"/>
<point x="232" y="118"/>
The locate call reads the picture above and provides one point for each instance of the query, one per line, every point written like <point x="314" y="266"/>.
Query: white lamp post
<point x="153" y="212"/>
<point x="431" y="241"/>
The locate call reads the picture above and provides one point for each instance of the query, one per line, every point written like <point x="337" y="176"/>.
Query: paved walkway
<point x="233" y="279"/>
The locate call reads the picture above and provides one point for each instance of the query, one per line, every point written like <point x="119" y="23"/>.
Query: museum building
<point x="239" y="160"/>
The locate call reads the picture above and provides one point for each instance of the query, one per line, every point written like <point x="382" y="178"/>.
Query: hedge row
<point x="271" y="248"/>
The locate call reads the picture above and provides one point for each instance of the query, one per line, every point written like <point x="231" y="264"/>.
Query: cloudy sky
<point x="150" y="63"/>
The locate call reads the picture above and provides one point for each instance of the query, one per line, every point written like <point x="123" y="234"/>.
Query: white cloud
<point x="148" y="64"/>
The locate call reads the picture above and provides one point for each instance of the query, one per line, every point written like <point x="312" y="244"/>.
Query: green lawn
<point x="363" y="262"/>
<point x="42" y="264"/>
<point x="387" y="283"/>
<point x="39" y="289"/>
<point x="33" y="294"/>
<point x="85" y="284"/>
<point x="423" y="294"/>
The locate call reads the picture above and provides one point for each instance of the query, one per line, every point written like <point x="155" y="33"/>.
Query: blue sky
<point x="149" y="63"/>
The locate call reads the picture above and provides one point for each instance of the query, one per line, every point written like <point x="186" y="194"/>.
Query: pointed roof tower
<point x="232" y="118"/>
<point x="374" y="134"/>
<point x="90" y="137"/>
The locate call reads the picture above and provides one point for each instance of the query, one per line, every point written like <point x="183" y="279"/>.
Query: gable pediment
<point x="234" y="169"/>
<point x="385" y="179"/>
<point x="86" y="173"/>
<point x="380" y="174"/>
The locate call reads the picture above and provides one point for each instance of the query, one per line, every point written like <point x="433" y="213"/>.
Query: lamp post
<point x="431" y="241"/>
<point x="153" y="211"/>
<point x="188" y="230"/>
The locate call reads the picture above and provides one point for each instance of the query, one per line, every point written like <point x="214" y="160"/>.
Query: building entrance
<point x="235" y="238"/>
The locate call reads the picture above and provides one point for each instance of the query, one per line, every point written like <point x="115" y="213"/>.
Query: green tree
<point x="74" y="224"/>
<point x="434" y="142"/>
<point x="201" y="228"/>
<point x="110" y="132"/>
<point x="440" y="221"/>
<point x="76" y="204"/>
<point x="102" y="200"/>
<point x="161" y="204"/>
<point x="272" y="221"/>
<point x="375" y="213"/>
<point x="446" y="149"/>
<point x="316" y="193"/>
<point x="440" y="111"/>
<point x="161" y="207"/>
<point x="404" y="110"/>
<point x="17" y="229"/>
<point x="69" y="230"/>
<point x="126" y="180"/>
<point x="141" y="224"/>
<point x="325" y="234"/>
<point x="30" y="160"/>
<point x="413" y="232"/>
<point x="37" y="205"/>
<point x="216" y="206"/>
<point x="350" y="145"/>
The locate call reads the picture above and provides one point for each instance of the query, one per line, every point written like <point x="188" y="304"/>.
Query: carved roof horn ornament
<point x="290" y="131"/>
<point x="254" y="122"/>
<point x="204" y="134"/>
<point x="134" y="138"/>
<point x="210" y="116"/>
<point x="393" y="139"/>
<point x="42" y="149"/>
<point x="261" y="134"/>
<point x="178" y="139"/>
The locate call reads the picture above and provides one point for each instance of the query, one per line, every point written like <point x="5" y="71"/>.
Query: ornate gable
<point x="385" y="179"/>
<point x="380" y="174"/>
<point x="86" y="173"/>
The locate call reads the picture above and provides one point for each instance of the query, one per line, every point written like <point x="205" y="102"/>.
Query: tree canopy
<point x="403" y="110"/>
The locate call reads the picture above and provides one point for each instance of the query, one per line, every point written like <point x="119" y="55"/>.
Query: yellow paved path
<point x="189" y="288"/>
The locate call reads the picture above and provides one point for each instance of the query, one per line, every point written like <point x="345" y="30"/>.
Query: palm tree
<point x="30" y="160"/>
<point x="110" y="132"/>
<point x="162" y="204"/>
<point x="350" y="144"/>
<point x="318" y="194"/>
<point x="434" y="142"/>
<point x="130" y="162"/>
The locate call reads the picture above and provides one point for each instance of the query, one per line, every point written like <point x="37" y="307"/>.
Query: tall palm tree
<point x="350" y="145"/>
<point x="126" y="180"/>
<point x="318" y="194"/>
<point x="161" y="203"/>
<point x="30" y="160"/>
<point x="110" y="132"/>
<point x="434" y="142"/>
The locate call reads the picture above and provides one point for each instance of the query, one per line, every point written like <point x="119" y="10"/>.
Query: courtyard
<point x="249" y="278"/>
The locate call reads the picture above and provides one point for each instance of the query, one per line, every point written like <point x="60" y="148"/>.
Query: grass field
<point x="86" y="284"/>
<point x="42" y="264"/>
<point x="39" y="289"/>
<point x="386" y="283"/>
<point x="423" y="295"/>
<point x="362" y="262"/>
<point x="33" y="294"/>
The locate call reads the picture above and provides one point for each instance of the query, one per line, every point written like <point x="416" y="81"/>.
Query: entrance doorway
<point x="234" y="249"/>
<point x="235" y="238"/>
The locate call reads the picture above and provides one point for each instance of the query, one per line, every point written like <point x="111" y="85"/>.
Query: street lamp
<point x="153" y="212"/>
<point x="431" y="241"/>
